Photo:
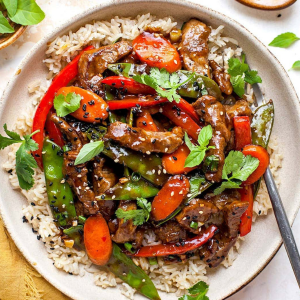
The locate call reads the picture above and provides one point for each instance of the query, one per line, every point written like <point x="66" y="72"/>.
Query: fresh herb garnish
<point x="296" y="65"/>
<point x="89" y="151"/>
<point x="198" y="152"/>
<point x="4" y="25"/>
<point x="23" y="12"/>
<point x="25" y="163"/>
<point x="197" y="292"/>
<point x="239" y="74"/>
<point x="128" y="247"/>
<point x="164" y="83"/>
<point x="139" y="216"/>
<point x="65" y="105"/>
<point x="194" y="225"/>
<point x="284" y="40"/>
<point x="239" y="167"/>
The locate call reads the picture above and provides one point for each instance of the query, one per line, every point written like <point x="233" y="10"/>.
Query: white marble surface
<point x="276" y="281"/>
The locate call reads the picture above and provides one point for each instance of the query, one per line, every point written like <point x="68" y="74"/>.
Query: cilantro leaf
<point x="5" y="27"/>
<point x="284" y="40"/>
<point x="197" y="292"/>
<point x="239" y="74"/>
<point x="89" y="151"/>
<point x="240" y="167"/>
<point x="25" y="163"/>
<point x="11" y="6"/>
<point x="66" y="105"/>
<point x="197" y="153"/>
<point x="139" y="216"/>
<point x="164" y="83"/>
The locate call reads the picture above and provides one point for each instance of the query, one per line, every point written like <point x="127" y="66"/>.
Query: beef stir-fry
<point x="150" y="138"/>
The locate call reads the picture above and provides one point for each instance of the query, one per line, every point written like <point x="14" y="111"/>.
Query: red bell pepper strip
<point x="175" y="249"/>
<point x="60" y="80"/>
<point x="242" y="131"/>
<point x="129" y="85"/>
<point x="182" y="119"/>
<point x="246" y="218"/>
<point x="129" y="102"/>
<point x="53" y="132"/>
<point x="146" y="122"/>
<point x="188" y="108"/>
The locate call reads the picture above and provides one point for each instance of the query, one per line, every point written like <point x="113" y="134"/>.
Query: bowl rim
<point x="106" y="4"/>
<point x="13" y="37"/>
<point x="266" y="7"/>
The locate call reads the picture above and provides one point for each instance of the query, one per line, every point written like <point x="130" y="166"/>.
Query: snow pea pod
<point x="197" y="86"/>
<point x="261" y="129"/>
<point x="124" y="268"/>
<point x="59" y="192"/>
<point x="76" y="233"/>
<point x="131" y="190"/>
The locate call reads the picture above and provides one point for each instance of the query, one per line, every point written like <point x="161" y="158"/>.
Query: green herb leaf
<point x="239" y="74"/>
<point x="197" y="153"/>
<point x="25" y="163"/>
<point x="197" y="292"/>
<point x="89" y="151"/>
<point x="11" y="6"/>
<point x="296" y="65"/>
<point x="4" y="25"/>
<point x="66" y="105"/>
<point x="28" y="13"/>
<point x="164" y="83"/>
<point x="240" y="167"/>
<point x="139" y="216"/>
<point x="284" y="40"/>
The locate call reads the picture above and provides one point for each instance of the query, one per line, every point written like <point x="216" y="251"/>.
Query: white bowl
<point x="259" y="246"/>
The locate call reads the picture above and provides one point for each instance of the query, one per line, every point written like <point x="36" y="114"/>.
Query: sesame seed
<point x="116" y="160"/>
<point x="153" y="171"/>
<point x="175" y="61"/>
<point x="221" y="113"/>
<point x="142" y="139"/>
<point x="144" y="280"/>
<point x="159" y="172"/>
<point x="189" y="195"/>
<point x="79" y="175"/>
<point x="172" y="193"/>
<point x="184" y="219"/>
<point x="181" y="192"/>
<point x="63" y="181"/>
<point x="164" y="171"/>
<point x="166" y="149"/>
<point x="113" y="197"/>
<point x="63" y="206"/>
<point x="200" y="212"/>
<point x="148" y="152"/>
<point x="160" y="110"/>
<point x="74" y="223"/>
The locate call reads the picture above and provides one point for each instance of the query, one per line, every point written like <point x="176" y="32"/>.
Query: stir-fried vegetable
<point x="173" y="249"/>
<point x="39" y="120"/>
<point x="97" y="240"/>
<point x="156" y="51"/>
<point x="242" y="132"/>
<point x="75" y="233"/>
<point x="53" y="132"/>
<point x="59" y="193"/>
<point x="170" y="197"/>
<point x="246" y="219"/>
<point x="130" y="190"/>
<point x="124" y="268"/>
<point x="145" y="121"/>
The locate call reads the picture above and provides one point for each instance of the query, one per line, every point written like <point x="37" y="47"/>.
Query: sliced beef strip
<point x="216" y="249"/>
<point x="94" y="62"/>
<point x="198" y="211"/>
<point x="193" y="47"/>
<point x="103" y="179"/>
<point x="232" y="208"/>
<point x="170" y="232"/>
<point x="76" y="176"/>
<point x="145" y="141"/>
<point x="221" y="77"/>
<point x="240" y="108"/>
<point x="127" y="231"/>
<point x="212" y="112"/>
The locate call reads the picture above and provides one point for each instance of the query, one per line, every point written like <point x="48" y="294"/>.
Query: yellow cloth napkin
<point x="18" y="279"/>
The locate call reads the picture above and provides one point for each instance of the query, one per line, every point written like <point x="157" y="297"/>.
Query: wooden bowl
<point x="268" y="4"/>
<point x="10" y="38"/>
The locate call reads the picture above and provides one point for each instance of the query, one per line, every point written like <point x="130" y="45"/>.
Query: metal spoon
<point x="279" y="211"/>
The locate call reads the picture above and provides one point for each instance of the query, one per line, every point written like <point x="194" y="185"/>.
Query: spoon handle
<point x="283" y="224"/>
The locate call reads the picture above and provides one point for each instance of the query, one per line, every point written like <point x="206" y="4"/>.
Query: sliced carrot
<point x="145" y="121"/>
<point x="174" y="162"/>
<point x="92" y="107"/>
<point x="246" y="218"/>
<point x="97" y="240"/>
<point x="156" y="51"/>
<point x="264" y="160"/>
<point x="170" y="197"/>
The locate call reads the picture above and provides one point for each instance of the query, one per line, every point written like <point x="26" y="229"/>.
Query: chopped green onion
<point x="128" y="247"/>
<point x="81" y="219"/>
<point x="152" y="261"/>
<point x="194" y="225"/>
<point x="135" y="176"/>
